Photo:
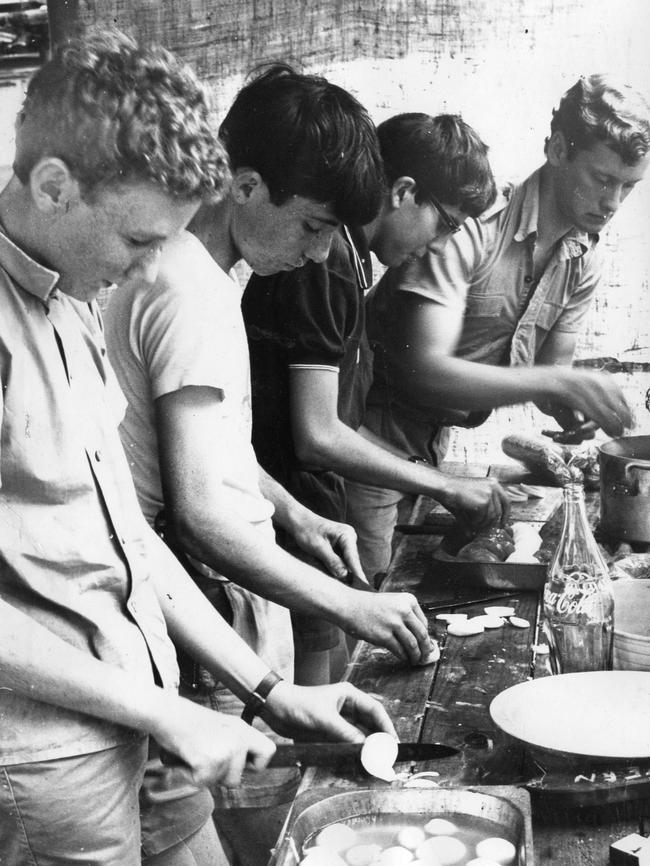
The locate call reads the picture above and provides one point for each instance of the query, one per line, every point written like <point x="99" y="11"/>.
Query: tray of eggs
<point x="402" y="826"/>
<point x="499" y="557"/>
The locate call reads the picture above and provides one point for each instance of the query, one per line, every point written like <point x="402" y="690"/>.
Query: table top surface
<point x="578" y="811"/>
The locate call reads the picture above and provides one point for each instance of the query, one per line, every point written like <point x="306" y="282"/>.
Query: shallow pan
<point x="508" y="807"/>
<point x="495" y="575"/>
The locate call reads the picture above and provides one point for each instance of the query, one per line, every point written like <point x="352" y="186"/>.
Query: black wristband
<point x="257" y="698"/>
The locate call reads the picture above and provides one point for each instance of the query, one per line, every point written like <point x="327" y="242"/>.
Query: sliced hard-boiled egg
<point x="432" y="656"/>
<point x="465" y="628"/>
<point x="378" y="754"/>
<point x="451" y="617"/>
<point x="487" y="620"/>
<point x="499" y="610"/>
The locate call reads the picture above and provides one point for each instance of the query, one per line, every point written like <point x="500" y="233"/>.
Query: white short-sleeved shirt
<point x="186" y="330"/>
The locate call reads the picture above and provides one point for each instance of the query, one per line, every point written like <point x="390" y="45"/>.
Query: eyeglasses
<point x="451" y="223"/>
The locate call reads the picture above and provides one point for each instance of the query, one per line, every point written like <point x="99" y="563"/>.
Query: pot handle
<point x="632" y="486"/>
<point x="634" y="465"/>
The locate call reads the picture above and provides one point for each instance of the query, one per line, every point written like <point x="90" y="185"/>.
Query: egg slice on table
<point x="431" y="657"/>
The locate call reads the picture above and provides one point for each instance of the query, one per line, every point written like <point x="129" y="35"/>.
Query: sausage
<point x="539" y="456"/>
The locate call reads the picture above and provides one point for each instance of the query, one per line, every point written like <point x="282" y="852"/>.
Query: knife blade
<point x="335" y="754"/>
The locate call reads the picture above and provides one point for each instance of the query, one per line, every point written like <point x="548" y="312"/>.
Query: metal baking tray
<point x="494" y="575"/>
<point x="506" y="806"/>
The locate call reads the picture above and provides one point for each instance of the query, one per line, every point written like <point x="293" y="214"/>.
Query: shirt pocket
<point x="483" y="306"/>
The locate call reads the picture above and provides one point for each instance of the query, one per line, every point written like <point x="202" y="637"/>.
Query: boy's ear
<point x="557" y="150"/>
<point x="246" y="185"/>
<point x="401" y="191"/>
<point x="52" y="187"/>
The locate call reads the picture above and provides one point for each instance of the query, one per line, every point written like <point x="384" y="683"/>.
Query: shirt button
<point x="528" y="279"/>
<point x="98" y="455"/>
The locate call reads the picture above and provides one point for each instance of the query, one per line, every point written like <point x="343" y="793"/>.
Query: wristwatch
<point x="257" y="698"/>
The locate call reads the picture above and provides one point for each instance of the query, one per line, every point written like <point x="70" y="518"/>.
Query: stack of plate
<point x="632" y="624"/>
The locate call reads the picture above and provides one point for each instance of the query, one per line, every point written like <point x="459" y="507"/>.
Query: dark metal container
<point x="625" y="488"/>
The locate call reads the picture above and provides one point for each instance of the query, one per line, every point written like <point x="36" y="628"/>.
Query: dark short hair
<point x="444" y="156"/>
<point x="114" y="112"/>
<point x="599" y="109"/>
<point x="306" y="137"/>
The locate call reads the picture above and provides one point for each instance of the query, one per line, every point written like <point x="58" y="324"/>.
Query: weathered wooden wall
<point x="503" y="64"/>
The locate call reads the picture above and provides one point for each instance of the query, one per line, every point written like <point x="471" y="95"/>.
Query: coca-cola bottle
<point x="578" y="597"/>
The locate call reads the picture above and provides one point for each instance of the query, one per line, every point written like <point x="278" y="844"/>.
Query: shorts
<point x="324" y="494"/>
<point x="373" y="512"/>
<point x="171" y="808"/>
<point x="52" y="811"/>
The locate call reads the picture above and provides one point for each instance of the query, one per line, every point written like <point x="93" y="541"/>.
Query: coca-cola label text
<point x="573" y="598"/>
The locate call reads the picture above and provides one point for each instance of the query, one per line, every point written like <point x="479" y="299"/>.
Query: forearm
<point x="248" y="557"/>
<point x="195" y="625"/>
<point x="288" y="511"/>
<point x="363" y="457"/>
<point x="448" y="382"/>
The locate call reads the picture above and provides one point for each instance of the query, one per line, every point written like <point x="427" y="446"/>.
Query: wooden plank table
<point x="574" y="819"/>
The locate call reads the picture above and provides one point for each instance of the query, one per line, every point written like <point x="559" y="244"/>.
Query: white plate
<point x="603" y="714"/>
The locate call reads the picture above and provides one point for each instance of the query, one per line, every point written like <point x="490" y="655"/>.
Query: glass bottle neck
<point x="574" y="504"/>
<point x="577" y="549"/>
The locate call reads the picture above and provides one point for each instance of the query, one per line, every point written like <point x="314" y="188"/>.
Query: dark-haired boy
<point x="308" y="343"/>
<point x="179" y="350"/>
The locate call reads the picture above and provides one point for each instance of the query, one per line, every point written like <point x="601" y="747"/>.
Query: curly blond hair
<point x="114" y="112"/>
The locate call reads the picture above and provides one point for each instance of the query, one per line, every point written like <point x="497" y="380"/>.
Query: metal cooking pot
<point x="625" y="488"/>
